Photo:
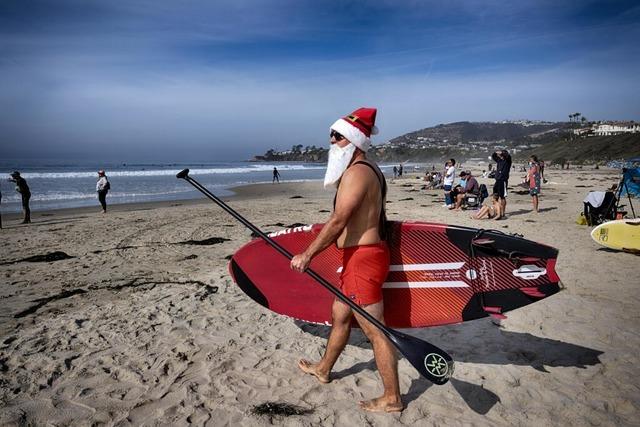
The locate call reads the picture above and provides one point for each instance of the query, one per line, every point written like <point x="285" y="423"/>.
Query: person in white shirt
<point x="449" y="177"/>
<point x="102" y="187"/>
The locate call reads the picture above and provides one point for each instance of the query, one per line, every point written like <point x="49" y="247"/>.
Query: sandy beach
<point x="141" y="324"/>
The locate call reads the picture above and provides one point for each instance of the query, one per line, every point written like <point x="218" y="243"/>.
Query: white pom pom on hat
<point x="358" y="127"/>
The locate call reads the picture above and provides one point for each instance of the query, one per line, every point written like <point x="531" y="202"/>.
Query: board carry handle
<point x="431" y="362"/>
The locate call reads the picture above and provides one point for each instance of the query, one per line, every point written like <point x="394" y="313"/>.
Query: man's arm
<point x="351" y="193"/>
<point x="470" y="186"/>
<point x="450" y="171"/>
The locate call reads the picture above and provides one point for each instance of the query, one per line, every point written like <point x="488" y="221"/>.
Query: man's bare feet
<point x="312" y="368"/>
<point x="382" y="404"/>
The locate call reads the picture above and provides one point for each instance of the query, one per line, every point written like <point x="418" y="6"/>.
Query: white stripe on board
<point x="422" y="267"/>
<point x="449" y="284"/>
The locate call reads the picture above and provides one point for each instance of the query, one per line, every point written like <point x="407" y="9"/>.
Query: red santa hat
<point x="358" y="127"/>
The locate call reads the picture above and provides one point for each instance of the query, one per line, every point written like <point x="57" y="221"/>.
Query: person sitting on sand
<point x="489" y="209"/>
<point x="470" y="186"/>
<point x="356" y="227"/>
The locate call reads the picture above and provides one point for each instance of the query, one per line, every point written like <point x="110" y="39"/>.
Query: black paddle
<point x="433" y="363"/>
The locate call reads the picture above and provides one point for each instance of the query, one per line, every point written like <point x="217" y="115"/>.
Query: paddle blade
<point x="433" y="363"/>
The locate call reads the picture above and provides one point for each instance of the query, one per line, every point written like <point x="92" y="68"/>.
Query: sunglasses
<point x="337" y="136"/>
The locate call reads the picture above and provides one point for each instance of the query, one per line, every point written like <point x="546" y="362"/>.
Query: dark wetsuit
<point x="24" y="191"/>
<point x="503" y="167"/>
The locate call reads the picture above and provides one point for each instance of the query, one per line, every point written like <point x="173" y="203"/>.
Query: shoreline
<point x="254" y="190"/>
<point x="240" y="192"/>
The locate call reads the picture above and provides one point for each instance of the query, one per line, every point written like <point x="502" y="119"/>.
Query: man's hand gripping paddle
<point x="433" y="363"/>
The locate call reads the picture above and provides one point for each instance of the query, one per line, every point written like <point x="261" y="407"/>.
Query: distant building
<point x="608" y="129"/>
<point x="616" y="128"/>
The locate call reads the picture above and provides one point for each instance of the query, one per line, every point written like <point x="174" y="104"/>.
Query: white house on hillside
<point x="616" y="128"/>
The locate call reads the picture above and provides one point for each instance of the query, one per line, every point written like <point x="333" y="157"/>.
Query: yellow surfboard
<point x="621" y="234"/>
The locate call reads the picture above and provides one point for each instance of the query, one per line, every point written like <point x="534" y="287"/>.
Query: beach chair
<point x="471" y="200"/>
<point x="607" y="210"/>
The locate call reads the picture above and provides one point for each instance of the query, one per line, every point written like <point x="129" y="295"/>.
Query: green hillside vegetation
<point x="594" y="149"/>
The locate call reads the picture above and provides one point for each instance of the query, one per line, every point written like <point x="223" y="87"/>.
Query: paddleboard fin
<point x="495" y="312"/>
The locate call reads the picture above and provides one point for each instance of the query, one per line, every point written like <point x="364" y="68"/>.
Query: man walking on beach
<point x="276" y="175"/>
<point x="503" y="167"/>
<point x="25" y="193"/>
<point x="102" y="187"/>
<point x="356" y="226"/>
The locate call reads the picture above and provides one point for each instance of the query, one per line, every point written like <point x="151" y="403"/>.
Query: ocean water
<point x="68" y="185"/>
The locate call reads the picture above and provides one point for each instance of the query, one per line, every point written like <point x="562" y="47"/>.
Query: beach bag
<point x="107" y="186"/>
<point x="484" y="193"/>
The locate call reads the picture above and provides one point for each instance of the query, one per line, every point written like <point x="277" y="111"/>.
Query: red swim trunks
<point x="364" y="269"/>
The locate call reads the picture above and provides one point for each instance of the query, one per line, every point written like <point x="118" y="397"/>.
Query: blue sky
<point x="221" y="80"/>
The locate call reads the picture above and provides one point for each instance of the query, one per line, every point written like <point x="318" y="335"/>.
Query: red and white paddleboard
<point x="439" y="274"/>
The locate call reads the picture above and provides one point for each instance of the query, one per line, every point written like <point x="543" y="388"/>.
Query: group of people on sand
<point x="456" y="196"/>
<point x="398" y="171"/>
<point x="102" y="188"/>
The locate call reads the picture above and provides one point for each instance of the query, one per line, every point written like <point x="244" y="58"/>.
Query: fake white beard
<point x="339" y="159"/>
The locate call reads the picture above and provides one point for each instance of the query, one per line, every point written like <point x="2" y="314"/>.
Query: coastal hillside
<point x="590" y="149"/>
<point x="469" y="132"/>
<point x="552" y="141"/>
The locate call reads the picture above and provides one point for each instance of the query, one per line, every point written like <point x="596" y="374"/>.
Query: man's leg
<point x="535" y="202"/>
<point x="459" y="200"/>
<point x="386" y="361"/>
<point x="447" y="195"/>
<point x="504" y="199"/>
<point x="101" y="199"/>
<point x="340" y="330"/>
<point x="498" y="207"/>
<point x="27" y="211"/>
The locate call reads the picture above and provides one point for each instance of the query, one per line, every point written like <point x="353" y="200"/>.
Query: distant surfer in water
<point x="356" y="226"/>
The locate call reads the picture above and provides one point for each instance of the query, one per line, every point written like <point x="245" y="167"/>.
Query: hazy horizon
<point x="154" y="82"/>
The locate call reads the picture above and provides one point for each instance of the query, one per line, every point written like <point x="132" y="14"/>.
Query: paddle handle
<point x="185" y="175"/>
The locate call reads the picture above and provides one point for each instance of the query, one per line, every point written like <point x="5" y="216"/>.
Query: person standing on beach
<point x="102" y="187"/>
<point x="503" y="167"/>
<point x="449" y="177"/>
<point x="276" y="175"/>
<point x="25" y="193"/>
<point x="533" y="178"/>
<point x="356" y="227"/>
